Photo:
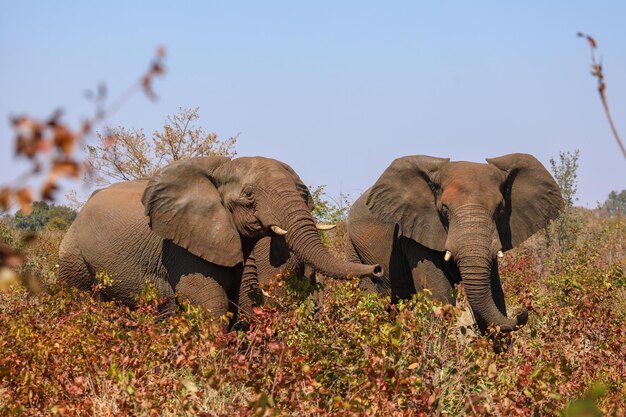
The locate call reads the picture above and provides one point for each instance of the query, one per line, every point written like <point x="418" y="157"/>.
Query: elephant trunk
<point x="474" y="255"/>
<point x="477" y="282"/>
<point x="304" y="240"/>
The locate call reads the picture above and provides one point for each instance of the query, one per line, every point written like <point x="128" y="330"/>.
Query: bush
<point x="44" y="215"/>
<point x="348" y="353"/>
<point x="63" y="353"/>
<point x="563" y="231"/>
<point x="332" y="211"/>
<point x="615" y="204"/>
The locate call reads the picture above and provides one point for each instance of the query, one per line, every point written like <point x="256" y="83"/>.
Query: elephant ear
<point x="532" y="198"/>
<point x="184" y="206"/>
<point x="405" y="194"/>
<point x="303" y="189"/>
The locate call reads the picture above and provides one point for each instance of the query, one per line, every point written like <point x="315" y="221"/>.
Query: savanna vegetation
<point x="64" y="353"/>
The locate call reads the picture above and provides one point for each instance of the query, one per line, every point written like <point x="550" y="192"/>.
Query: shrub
<point x="353" y="353"/>
<point x="565" y="229"/>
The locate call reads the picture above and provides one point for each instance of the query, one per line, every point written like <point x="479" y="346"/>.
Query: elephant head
<point x="471" y="213"/>
<point x="217" y="208"/>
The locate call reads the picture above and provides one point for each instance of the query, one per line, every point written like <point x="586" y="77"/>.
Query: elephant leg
<point x="373" y="243"/>
<point x="73" y="269"/>
<point x="429" y="271"/>
<point x="166" y="309"/>
<point x="426" y="275"/>
<point x="250" y="294"/>
<point x="352" y="255"/>
<point x="205" y="291"/>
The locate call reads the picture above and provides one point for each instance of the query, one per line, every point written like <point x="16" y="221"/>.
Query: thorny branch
<point x="596" y="71"/>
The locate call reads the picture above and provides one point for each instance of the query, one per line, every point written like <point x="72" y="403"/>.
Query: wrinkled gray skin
<point x="270" y="258"/>
<point x="422" y="206"/>
<point x="191" y="228"/>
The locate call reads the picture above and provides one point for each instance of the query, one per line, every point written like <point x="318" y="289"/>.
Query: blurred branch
<point x="596" y="71"/>
<point x="49" y="145"/>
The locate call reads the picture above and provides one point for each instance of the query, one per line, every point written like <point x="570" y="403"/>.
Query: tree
<point x="332" y="211"/>
<point x="615" y="204"/>
<point x="565" y="172"/>
<point x="566" y="175"/>
<point x="44" y="215"/>
<point x="125" y="154"/>
<point x="328" y="210"/>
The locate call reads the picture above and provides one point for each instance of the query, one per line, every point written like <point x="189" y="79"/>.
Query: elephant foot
<point x="167" y="309"/>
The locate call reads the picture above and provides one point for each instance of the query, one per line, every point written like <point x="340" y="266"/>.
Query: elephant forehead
<point x="256" y="170"/>
<point x="470" y="176"/>
<point x="464" y="181"/>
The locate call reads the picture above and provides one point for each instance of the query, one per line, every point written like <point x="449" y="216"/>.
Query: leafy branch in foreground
<point x="49" y="145"/>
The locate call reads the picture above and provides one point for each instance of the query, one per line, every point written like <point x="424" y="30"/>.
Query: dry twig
<point x="596" y="71"/>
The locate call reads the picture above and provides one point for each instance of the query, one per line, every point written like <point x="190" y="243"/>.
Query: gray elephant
<point x="190" y="229"/>
<point x="270" y="259"/>
<point x="432" y="223"/>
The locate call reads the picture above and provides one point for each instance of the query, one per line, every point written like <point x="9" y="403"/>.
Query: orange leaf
<point x="66" y="168"/>
<point x="6" y="195"/>
<point x="109" y="140"/>
<point x="10" y="257"/>
<point x="86" y="127"/>
<point x="48" y="189"/>
<point x="274" y="346"/>
<point x="64" y="139"/>
<point x="25" y="199"/>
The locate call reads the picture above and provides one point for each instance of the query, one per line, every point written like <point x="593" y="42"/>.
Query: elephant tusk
<point x="500" y="254"/>
<point x="447" y="256"/>
<point x="323" y="227"/>
<point x="278" y="230"/>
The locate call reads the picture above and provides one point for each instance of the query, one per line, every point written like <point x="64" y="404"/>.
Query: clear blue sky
<point x="336" y="89"/>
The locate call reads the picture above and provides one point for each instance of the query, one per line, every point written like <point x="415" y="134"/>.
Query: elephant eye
<point x="247" y="193"/>
<point x="445" y="211"/>
<point x="499" y="209"/>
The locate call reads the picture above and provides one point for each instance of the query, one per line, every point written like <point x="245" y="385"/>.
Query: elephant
<point x="432" y="223"/>
<point x="270" y="259"/>
<point x="190" y="230"/>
